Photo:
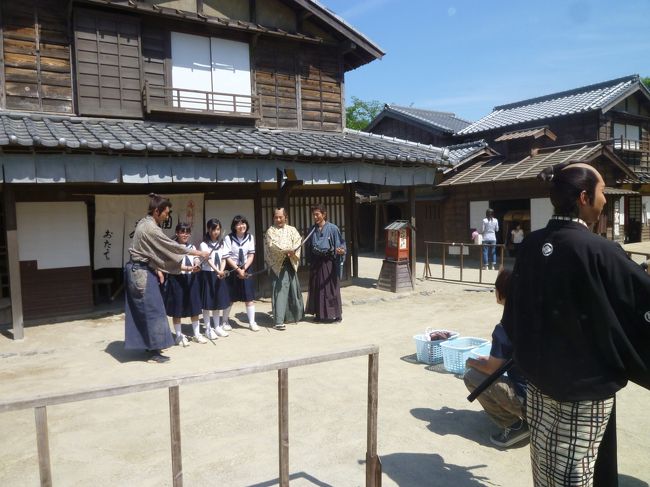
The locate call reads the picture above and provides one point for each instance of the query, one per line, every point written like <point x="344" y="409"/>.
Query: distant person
<point x="477" y="238"/>
<point x="578" y="315"/>
<point x="504" y="401"/>
<point x="282" y="255"/>
<point x="146" y="323"/>
<point x="325" y="251"/>
<point x="489" y="229"/>
<point x="516" y="237"/>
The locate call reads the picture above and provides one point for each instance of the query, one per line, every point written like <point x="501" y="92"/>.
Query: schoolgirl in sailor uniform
<point x="240" y="256"/>
<point x="183" y="291"/>
<point x="215" y="294"/>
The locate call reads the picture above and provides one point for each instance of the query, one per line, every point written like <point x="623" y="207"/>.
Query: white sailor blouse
<point x="238" y="250"/>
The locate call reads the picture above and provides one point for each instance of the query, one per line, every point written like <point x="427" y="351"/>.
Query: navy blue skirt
<point x="146" y="324"/>
<point x="215" y="293"/>
<point x="241" y="289"/>
<point x="183" y="295"/>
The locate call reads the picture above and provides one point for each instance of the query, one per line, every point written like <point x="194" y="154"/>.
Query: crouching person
<point x="504" y="401"/>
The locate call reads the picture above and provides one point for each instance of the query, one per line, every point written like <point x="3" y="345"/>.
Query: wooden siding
<point x="156" y="51"/>
<point x="36" y="56"/>
<point x="276" y="85"/>
<point x="392" y="127"/>
<point x="51" y="293"/>
<point x="320" y="89"/>
<point x="108" y="64"/>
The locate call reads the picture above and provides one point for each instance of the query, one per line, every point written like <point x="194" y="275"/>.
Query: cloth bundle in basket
<point x="456" y="352"/>
<point x="428" y="351"/>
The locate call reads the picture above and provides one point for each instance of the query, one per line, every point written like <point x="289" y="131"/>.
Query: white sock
<point x="215" y="317"/>
<point x="178" y="329"/>
<point x="206" y="318"/>
<point x="195" y="328"/>
<point x="225" y="314"/>
<point x="250" y="311"/>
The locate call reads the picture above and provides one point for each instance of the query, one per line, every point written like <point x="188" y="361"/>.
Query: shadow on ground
<point x="428" y="469"/>
<point x="627" y="481"/>
<point x="118" y="352"/>
<point x="294" y="476"/>
<point x="472" y="425"/>
<point x="365" y="282"/>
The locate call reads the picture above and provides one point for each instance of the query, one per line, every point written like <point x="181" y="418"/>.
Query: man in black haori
<point x="579" y="320"/>
<point x="325" y="251"/>
<point x="146" y="323"/>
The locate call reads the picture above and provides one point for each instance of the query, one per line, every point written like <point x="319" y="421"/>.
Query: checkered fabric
<point x="564" y="438"/>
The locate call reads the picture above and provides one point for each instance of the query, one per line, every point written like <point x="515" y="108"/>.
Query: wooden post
<point x="480" y="264"/>
<point x="443" y="246"/>
<point x="43" y="446"/>
<point x="427" y="269"/>
<point x="13" y="263"/>
<point x="352" y="220"/>
<point x="175" y="434"/>
<point x="462" y="249"/>
<point x="413" y="257"/>
<point x="373" y="465"/>
<point x="376" y="226"/>
<point x="283" y="425"/>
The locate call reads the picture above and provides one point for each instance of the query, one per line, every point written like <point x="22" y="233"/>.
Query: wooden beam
<point x="283" y="425"/>
<point x="13" y="263"/>
<point x="373" y="466"/>
<point x="354" y="231"/>
<point x="43" y="446"/>
<point x="413" y="259"/>
<point x="175" y="434"/>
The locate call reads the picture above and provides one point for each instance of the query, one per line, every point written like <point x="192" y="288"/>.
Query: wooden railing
<point x="373" y="464"/>
<point x="158" y="98"/>
<point x="631" y="145"/>
<point x="443" y="249"/>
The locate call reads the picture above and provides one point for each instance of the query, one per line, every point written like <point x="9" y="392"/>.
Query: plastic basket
<point x="481" y="351"/>
<point x="429" y="351"/>
<point x="456" y="352"/>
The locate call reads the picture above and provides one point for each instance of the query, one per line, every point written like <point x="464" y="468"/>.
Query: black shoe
<point x="512" y="434"/>
<point x="157" y="357"/>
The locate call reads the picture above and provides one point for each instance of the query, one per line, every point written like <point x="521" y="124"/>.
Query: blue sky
<point x="469" y="56"/>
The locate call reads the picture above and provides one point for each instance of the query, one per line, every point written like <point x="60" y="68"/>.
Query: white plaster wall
<point x="477" y="213"/>
<point x="225" y="211"/>
<point x="541" y="210"/>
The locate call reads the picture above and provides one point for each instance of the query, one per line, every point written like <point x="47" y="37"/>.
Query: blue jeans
<point x="491" y="246"/>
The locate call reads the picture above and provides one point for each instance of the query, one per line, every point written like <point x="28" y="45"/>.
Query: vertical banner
<point x="109" y="232"/>
<point x="116" y="217"/>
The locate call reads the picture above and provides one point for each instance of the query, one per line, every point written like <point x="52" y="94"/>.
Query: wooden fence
<point x="373" y="465"/>
<point x="442" y="249"/>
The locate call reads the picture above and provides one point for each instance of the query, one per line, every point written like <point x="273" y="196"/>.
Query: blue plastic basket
<point x="456" y="352"/>
<point x="429" y="351"/>
<point x="481" y="351"/>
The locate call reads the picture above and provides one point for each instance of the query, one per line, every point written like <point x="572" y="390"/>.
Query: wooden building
<point x="606" y="124"/>
<point x="224" y="105"/>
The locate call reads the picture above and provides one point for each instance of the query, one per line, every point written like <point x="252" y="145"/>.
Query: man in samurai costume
<point x="282" y="255"/>
<point x="147" y="326"/>
<point x="325" y="251"/>
<point x="578" y="316"/>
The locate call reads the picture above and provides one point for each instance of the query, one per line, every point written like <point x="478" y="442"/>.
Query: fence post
<point x="283" y="425"/>
<point x="443" y="259"/>
<point x="43" y="446"/>
<point x="175" y="434"/>
<point x="373" y="465"/>
<point x="503" y="248"/>
<point x="462" y="249"/>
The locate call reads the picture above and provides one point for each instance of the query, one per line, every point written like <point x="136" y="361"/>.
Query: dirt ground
<point x="428" y="434"/>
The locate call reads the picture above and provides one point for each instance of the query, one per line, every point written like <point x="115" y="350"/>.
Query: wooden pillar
<point x="13" y="263"/>
<point x="283" y="425"/>
<point x="411" y="198"/>
<point x="376" y="226"/>
<point x="351" y="219"/>
<point x="175" y="433"/>
<point x="43" y="446"/>
<point x="373" y="464"/>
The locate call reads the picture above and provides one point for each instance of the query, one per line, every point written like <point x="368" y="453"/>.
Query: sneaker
<point x="219" y="330"/>
<point x="182" y="340"/>
<point x="512" y="434"/>
<point x="211" y="333"/>
<point x="157" y="358"/>
<point x="254" y="327"/>
<point x="226" y="326"/>
<point x="199" y="339"/>
<point x="280" y="326"/>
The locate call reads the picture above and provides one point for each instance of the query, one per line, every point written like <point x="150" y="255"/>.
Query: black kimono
<point x="579" y="317"/>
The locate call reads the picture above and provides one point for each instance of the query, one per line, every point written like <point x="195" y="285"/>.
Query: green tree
<point x="646" y="81"/>
<point x="359" y="115"/>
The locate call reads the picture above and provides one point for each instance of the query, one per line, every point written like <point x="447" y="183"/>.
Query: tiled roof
<point x="584" y="99"/>
<point x="443" y="121"/>
<point x="498" y="170"/>
<point x="460" y="152"/>
<point x="641" y="176"/>
<point x="77" y="134"/>
<point x="535" y="133"/>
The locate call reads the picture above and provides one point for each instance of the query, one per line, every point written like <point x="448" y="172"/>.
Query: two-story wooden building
<point x="605" y="124"/>
<point x="227" y="106"/>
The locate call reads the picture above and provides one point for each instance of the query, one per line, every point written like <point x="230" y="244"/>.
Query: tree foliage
<point x="359" y="115"/>
<point x="646" y="81"/>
